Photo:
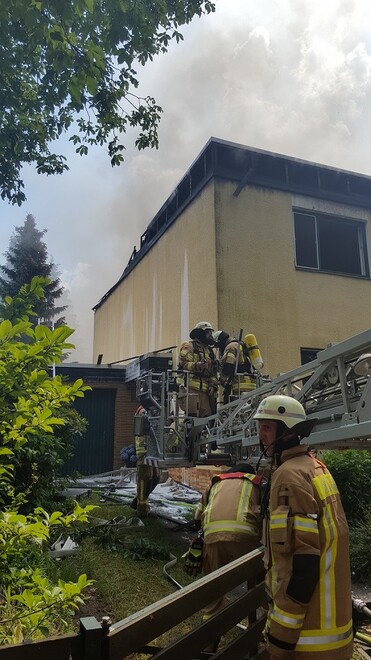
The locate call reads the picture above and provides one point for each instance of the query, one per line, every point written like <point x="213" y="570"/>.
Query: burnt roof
<point x="246" y="165"/>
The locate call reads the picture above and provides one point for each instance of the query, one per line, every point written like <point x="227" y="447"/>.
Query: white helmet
<point x="216" y="335"/>
<point x="282" y="409"/>
<point x="204" y="325"/>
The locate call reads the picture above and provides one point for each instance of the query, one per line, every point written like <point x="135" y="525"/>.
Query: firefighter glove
<point x="204" y="366"/>
<point x="193" y="556"/>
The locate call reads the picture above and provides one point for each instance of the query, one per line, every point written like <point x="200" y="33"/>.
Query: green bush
<point x="32" y="406"/>
<point x="360" y="556"/>
<point x="351" y="470"/>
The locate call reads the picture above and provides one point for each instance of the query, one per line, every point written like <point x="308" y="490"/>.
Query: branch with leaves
<point x="33" y="407"/>
<point x="68" y="61"/>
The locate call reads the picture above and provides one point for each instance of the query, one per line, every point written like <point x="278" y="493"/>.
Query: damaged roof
<point x="246" y="165"/>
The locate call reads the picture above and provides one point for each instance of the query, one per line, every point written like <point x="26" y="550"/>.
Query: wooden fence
<point x="136" y="633"/>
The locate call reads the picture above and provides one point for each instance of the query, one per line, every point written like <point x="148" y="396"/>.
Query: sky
<point x="289" y="76"/>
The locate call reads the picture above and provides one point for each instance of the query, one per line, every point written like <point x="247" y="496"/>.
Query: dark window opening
<point x="330" y="244"/>
<point x="303" y="175"/>
<point x="308" y="354"/>
<point x="184" y="190"/>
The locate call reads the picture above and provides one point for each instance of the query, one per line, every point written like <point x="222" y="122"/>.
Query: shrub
<point x="32" y="406"/>
<point x="351" y="470"/>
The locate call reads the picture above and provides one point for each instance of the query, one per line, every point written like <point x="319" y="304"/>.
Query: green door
<point x="94" y="450"/>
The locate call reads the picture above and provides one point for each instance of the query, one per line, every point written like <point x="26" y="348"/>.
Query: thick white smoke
<point x="290" y="76"/>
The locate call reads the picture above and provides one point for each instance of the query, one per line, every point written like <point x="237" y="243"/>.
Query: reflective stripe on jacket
<point x="307" y="561"/>
<point x="242" y="383"/>
<point x="230" y="509"/>
<point x="199" y="360"/>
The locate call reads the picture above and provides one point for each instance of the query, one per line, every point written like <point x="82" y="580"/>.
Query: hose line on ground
<point x="169" y="564"/>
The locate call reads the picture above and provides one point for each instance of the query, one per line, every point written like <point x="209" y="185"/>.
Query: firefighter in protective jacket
<point x="197" y="357"/>
<point x="306" y="539"/>
<point x="229" y="513"/>
<point x="236" y="372"/>
<point x="148" y="475"/>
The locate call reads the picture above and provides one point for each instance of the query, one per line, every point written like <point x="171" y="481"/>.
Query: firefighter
<point x="197" y="357"/>
<point x="148" y="475"/>
<point x="229" y="516"/>
<point x="306" y="540"/>
<point x="236" y="374"/>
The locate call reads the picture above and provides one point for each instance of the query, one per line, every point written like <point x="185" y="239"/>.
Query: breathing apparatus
<point x="203" y="331"/>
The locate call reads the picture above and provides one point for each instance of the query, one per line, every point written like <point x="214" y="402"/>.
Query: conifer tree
<point x="27" y="257"/>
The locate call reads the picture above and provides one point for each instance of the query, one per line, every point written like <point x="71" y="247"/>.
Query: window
<point x="329" y="243"/>
<point x="308" y="354"/>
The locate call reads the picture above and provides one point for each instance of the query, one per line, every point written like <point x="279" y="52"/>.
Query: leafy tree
<point x="67" y="61"/>
<point x="32" y="406"/>
<point x="27" y="257"/>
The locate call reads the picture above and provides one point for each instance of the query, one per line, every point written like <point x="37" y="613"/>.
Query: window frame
<point x="356" y="223"/>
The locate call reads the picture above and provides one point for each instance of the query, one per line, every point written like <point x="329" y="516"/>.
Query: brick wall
<point x="198" y="477"/>
<point x="126" y="405"/>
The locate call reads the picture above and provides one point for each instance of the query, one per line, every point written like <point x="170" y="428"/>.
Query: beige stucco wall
<point x="261" y="291"/>
<point x="231" y="261"/>
<point x="167" y="293"/>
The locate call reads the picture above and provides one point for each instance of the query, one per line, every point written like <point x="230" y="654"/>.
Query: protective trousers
<point x="199" y="404"/>
<point x="147" y="480"/>
<point x="219" y="554"/>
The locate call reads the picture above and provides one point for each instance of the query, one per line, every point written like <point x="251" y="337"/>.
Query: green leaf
<point x="92" y="85"/>
<point x="89" y="4"/>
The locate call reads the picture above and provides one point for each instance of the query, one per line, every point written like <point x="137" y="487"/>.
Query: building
<point x="248" y="239"/>
<point x="108" y="406"/>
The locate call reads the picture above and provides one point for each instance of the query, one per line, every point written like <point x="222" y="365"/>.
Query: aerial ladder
<point x="335" y="389"/>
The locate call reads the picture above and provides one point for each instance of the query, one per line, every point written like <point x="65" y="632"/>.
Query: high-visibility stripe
<point x="198" y="384"/>
<point x="208" y="510"/>
<point x="278" y="521"/>
<point x="237" y="525"/>
<point x="287" y="619"/>
<point x="329" y="616"/>
<point x="325" y="640"/>
<point x="243" y="386"/>
<point x="229" y="526"/>
<point x="325" y="486"/>
<point x="271" y="411"/>
<point x="243" y="504"/>
<point x="305" y="524"/>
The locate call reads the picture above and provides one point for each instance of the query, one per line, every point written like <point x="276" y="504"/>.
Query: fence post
<point x="92" y="636"/>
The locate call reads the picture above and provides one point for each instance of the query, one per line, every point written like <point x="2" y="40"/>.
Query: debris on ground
<point x="63" y="547"/>
<point x="171" y="500"/>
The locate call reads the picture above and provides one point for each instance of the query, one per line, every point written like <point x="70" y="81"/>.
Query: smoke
<point x="292" y="77"/>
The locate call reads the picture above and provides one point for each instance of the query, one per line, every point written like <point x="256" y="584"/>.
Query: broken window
<point x="329" y="243"/>
<point x="308" y="354"/>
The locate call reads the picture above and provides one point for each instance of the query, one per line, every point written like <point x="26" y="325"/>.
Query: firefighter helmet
<point x="281" y="408"/>
<point x="220" y="338"/>
<point x="202" y="325"/>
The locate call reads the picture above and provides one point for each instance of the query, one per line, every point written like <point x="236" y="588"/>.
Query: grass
<point x="120" y="581"/>
<point x="123" y="585"/>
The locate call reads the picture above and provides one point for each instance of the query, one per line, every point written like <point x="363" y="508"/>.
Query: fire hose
<point x="361" y="607"/>
<point x="169" y="564"/>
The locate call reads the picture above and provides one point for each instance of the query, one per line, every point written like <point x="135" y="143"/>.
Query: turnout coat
<point x="306" y="537"/>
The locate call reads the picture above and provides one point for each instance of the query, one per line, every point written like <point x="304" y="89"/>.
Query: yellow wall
<point x="231" y="261"/>
<point x="167" y="293"/>
<point x="261" y="291"/>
